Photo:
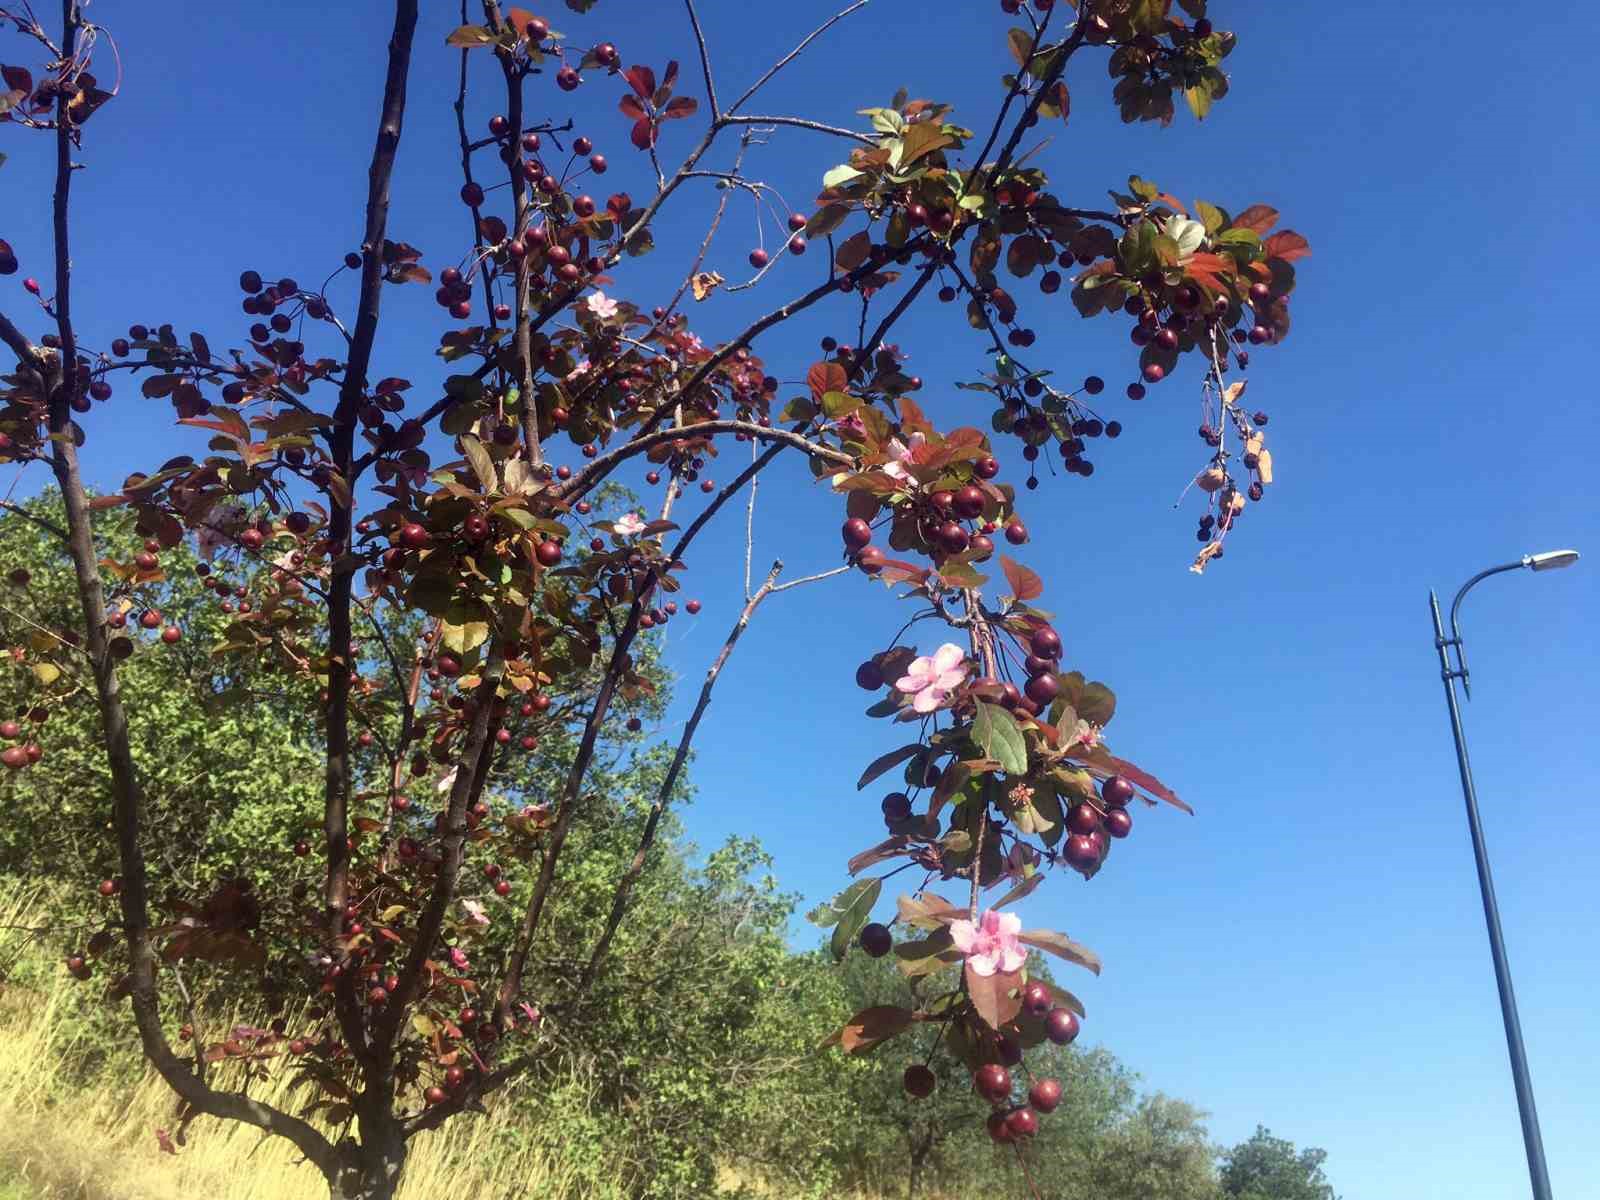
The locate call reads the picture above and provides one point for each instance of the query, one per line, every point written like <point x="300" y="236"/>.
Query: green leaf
<point x="996" y="733"/>
<point x="924" y="956"/>
<point x="482" y="464"/>
<point x="837" y="404"/>
<point x="1097" y="704"/>
<point x="826" y="219"/>
<point x="468" y="36"/>
<point x="840" y="175"/>
<point x="829" y="912"/>
<point x="853" y="918"/>
<point x="1212" y="217"/>
<point x="465" y="626"/>
<point x="920" y="140"/>
<point x="1020" y="41"/>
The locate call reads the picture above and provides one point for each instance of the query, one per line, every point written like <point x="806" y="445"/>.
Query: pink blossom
<point x="931" y="679"/>
<point x="474" y="911"/>
<point x="1021" y="860"/>
<point x="851" y="423"/>
<point x="629" y="524"/>
<point x="601" y="305"/>
<point x="992" y="944"/>
<point x="900" y="454"/>
<point x="1086" y="735"/>
<point x="221" y="525"/>
<point x="581" y="369"/>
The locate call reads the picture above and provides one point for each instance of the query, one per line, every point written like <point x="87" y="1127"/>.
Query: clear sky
<point x="1308" y="951"/>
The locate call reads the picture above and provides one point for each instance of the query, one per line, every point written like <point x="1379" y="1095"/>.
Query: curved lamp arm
<point x="1548" y="560"/>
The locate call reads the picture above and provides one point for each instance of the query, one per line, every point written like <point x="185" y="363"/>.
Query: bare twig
<point x="795" y="53"/>
<point x="804" y="123"/>
<point x="336" y="817"/>
<point x="624" y="889"/>
<point x="48" y="526"/>
<point x="705" y="61"/>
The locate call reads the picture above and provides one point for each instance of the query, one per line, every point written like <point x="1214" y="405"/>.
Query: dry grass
<point x="60" y="1141"/>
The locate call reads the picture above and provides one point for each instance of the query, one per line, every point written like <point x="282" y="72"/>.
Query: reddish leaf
<point x="1286" y="246"/>
<point x="630" y="107"/>
<point x="912" y="418"/>
<point x="928" y="911"/>
<point x="853" y="251"/>
<point x="1145" y="780"/>
<point x="873" y="1026"/>
<point x="992" y="996"/>
<point x="683" y="106"/>
<point x="164" y="1140"/>
<point x="642" y="79"/>
<point x="644" y="133"/>
<point x="1061" y="946"/>
<point x="882" y="852"/>
<point x="825" y="377"/>
<point x="1025" y="584"/>
<point x="1204" y="268"/>
<point x="671" y="76"/>
<point x="18" y="79"/>
<point x="895" y="570"/>
<point x="518" y="19"/>
<point x="1258" y="217"/>
<point x="885" y="761"/>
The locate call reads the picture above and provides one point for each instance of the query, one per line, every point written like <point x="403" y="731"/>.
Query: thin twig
<point x="624" y="889"/>
<point x="705" y="61"/>
<point x="795" y="53"/>
<point x="804" y="123"/>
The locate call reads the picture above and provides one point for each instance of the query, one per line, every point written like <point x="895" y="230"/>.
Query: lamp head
<point x="1550" y="559"/>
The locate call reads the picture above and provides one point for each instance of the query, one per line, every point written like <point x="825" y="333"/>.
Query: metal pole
<point x="1531" y="1138"/>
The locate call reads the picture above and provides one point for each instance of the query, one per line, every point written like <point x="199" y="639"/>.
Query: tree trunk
<point x="919" y="1155"/>
<point x="369" y="1170"/>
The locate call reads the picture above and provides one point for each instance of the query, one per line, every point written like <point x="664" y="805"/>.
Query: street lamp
<point x="1531" y="1140"/>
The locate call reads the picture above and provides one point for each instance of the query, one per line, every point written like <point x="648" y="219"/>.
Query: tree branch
<point x="604" y="464"/>
<point x="705" y="61"/>
<point x="522" y="337"/>
<point x="803" y="123"/>
<point x="49" y="527"/>
<point x="795" y="53"/>
<point x="127" y="797"/>
<point x="335" y="821"/>
<point x="624" y="889"/>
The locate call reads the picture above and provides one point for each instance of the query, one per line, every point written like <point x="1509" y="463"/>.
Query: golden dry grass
<point x="59" y="1141"/>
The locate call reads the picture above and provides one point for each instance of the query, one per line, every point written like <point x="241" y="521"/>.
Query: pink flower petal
<point x="982" y="964"/>
<point x="1012" y="958"/>
<point x="1008" y="924"/>
<point x="964" y="935"/>
<point x="948" y="657"/>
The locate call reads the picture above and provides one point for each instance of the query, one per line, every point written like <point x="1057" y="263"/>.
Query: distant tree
<point x="1159" y="1151"/>
<point x="1269" y="1168"/>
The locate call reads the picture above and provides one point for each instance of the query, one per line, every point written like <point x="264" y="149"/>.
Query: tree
<point x="1269" y="1168"/>
<point x="342" y="504"/>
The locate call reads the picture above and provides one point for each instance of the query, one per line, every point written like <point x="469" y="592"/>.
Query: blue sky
<point x="1308" y="951"/>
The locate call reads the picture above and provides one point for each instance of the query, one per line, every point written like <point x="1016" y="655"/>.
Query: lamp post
<point x="1531" y="1139"/>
